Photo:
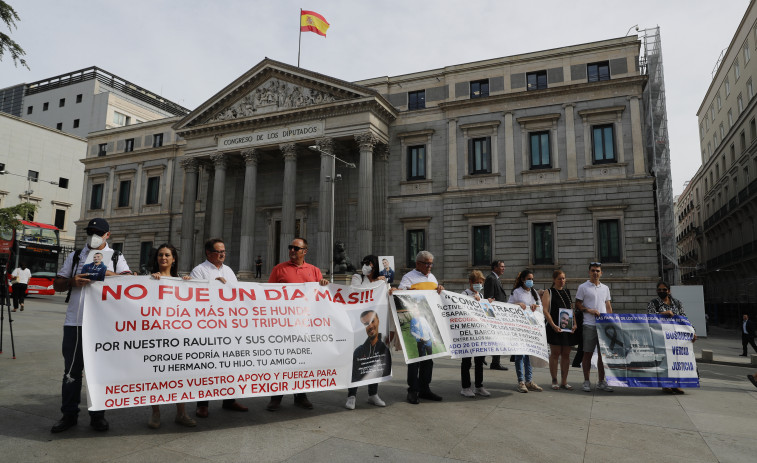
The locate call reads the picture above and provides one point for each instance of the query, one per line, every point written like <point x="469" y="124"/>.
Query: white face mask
<point x="367" y="269"/>
<point x="94" y="241"/>
<point x="478" y="287"/>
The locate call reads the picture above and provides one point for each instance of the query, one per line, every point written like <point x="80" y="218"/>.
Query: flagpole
<point x="299" y="41"/>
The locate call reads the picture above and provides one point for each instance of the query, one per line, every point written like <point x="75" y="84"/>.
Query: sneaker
<point x="532" y="386"/>
<point x="482" y="392"/>
<point x="604" y="386"/>
<point x="522" y="387"/>
<point x="350" y="404"/>
<point x="376" y="400"/>
<point x="467" y="392"/>
<point x="587" y="386"/>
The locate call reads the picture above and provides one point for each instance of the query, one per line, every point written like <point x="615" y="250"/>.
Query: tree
<point x="9" y="16"/>
<point x="10" y="217"/>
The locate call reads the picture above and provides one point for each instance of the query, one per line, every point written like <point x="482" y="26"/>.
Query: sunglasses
<point x="596" y="264"/>
<point x="295" y="248"/>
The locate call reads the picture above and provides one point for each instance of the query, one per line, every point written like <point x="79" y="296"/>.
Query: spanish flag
<point x="310" y="21"/>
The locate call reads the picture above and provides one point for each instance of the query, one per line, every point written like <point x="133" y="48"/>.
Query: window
<point x="752" y="129"/>
<point x="740" y="103"/>
<point x="416" y="100"/>
<point x="153" y="190"/>
<point x="59" y="126"/>
<point x="33" y="175"/>
<point x="720" y="103"/>
<point x="609" y="240"/>
<point x="543" y="252"/>
<point x="129" y="145"/>
<point x="76" y="123"/>
<point x="78" y="98"/>
<point x="598" y="71"/>
<point x="482" y="245"/>
<point x="746" y="52"/>
<point x="102" y="149"/>
<point x="416" y="162"/>
<point x="479" y="88"/>
<point x="45" y="106"/>
<point x="119" y="119"/>
<point x="701" y="131"/>
<point x="736" y="70"/>
<point x="62" y="182"/>
<point x="742" y="139"/>
<point x="727" y="87"/>
<point x="96" y="200"/>
<point x="712" y="113"/>
<point x="124" y="193"/>
<point x="2" y="167"/>
<point x="730" y="119"/>
<point x="60" y="219"/>
<point x="118" y="247"/>
<point x="722" y="132"/>
<point x="733" y="154"/>
<point x="416" y="242"/>
<point x="145" y="252"/>
<point x="540" y="154"/>
<point x="157" y="140"/>
<point x="29" y="109"/>
<point x="61" y="102"/>
<point x="603" y="143"/>
<point x="536" y="80"/>
<point x="749" y="89"/>
<point x="479" y="155"/>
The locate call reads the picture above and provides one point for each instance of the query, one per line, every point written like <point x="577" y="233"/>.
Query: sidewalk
<point x="715" y="423"/>
<point x="726" y="348"/>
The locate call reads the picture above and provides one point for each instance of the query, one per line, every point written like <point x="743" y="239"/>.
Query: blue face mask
<point x="529" y="284"/>
<point x="478" y="287"/>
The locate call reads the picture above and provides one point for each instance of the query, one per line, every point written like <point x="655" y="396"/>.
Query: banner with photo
<point x="455" y="325"/>
<point x="149" y="342"/>
<point x="645" y="350"/>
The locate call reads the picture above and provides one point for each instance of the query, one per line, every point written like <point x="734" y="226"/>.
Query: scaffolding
<point x="658" y="151"/>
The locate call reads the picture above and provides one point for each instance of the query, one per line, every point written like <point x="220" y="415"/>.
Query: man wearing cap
<point x="70" y="277"/>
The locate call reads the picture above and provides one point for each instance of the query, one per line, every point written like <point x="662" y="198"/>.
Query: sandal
<point x="567" y="387"/>
<point x="555" y="386"/>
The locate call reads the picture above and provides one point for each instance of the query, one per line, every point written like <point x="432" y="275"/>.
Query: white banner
<point x="149" y="342"/>
<point x="455" y="325"/>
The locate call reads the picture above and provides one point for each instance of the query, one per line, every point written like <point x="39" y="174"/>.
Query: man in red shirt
<point x="295" y="270"/>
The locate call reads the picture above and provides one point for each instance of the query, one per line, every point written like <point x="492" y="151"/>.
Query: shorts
<point x="590" y="338"/>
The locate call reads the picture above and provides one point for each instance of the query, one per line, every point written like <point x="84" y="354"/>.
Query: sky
<point x="187" y="50"/>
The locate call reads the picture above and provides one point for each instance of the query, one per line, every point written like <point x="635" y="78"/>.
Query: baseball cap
<point x="98" y="225"/>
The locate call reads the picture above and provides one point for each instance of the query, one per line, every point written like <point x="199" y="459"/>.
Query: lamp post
<point x="334" y="177"/>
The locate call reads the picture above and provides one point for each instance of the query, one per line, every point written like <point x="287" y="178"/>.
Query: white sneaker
<point x="605" y="387"/>
<point x="350" y="405"/>
<point x="376" y="400"/>
<point x="467" y="392"/>
<point x="482" y="392"/>
<point x="587" y="386"/>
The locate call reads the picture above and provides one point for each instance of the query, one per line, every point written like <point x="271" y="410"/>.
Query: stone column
<point x="639" y="168"/>
<point x="247" y="238"/>
<point x="366" y="141"/>
<point x="570" y="142"/>
<point x="288" y="204"/>
<point x="219" y="186"/>
<point x="325" y="203"/>
<point x="509" y="150"/>
<point x="380" y="198"/>
<point x="451" y="154"/>
<point x="190" y="166"/>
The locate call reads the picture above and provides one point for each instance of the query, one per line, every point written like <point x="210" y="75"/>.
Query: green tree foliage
<point x="9" y="16"/>
<point x="10" y="217"/>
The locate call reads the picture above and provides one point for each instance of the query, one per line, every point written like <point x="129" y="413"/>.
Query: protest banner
<point x="459" y="326"/>
<point x="647" y="350"/>
<point x="149" y="342"/>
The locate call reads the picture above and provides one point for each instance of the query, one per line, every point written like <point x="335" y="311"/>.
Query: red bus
<point x="38" y="246"/>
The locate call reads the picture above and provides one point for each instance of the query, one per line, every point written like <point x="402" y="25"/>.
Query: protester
<point x="526" y="297"/>
<point x="259" y="267"/>
<point x="214" y="269"/>
<point x="165" y="263"/>
<point x="69" y="278"/>
<point x="747" y="334"/>
<point x="665" y="304"/>
<point x="369" y="276"/>
<point x="295" y="270"/>
<point x="475" y="285"/>
<point x="593" y="299"/>
<point x="20" y="282"/>
<point x="419" y="373"/>
<point x="493" y="290"/>
<point x="555" y="298"/>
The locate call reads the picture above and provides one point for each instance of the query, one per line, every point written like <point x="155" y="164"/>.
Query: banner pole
<point x="299" y="40"/>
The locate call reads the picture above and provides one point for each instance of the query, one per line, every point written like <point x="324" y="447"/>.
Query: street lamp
<point x="334" y="177"/>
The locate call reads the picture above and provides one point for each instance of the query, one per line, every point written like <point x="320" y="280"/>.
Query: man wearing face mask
<point x="71" y="277"/>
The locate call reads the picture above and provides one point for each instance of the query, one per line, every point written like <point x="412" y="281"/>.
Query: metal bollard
<point x="706" y="356"/>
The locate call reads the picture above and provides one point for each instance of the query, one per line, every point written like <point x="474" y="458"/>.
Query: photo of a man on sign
<point x="371" y="359"/>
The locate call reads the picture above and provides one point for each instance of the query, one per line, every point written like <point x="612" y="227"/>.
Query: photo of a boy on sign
<point x="371" y="359"/>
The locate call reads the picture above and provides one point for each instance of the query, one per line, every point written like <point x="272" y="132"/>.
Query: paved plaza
<point x="717" y="422"/>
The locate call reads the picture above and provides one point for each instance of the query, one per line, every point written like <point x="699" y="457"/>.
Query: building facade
<point x="537" y="159"/>
<point x="717" y="212"/>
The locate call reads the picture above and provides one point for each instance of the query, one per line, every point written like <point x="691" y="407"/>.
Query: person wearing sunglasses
<point x="214" y="269"/>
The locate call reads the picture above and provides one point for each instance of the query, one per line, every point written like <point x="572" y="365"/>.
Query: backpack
<point x="75" y="265"/>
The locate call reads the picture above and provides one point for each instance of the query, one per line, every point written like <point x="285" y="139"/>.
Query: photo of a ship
<point x="632" y="351"/>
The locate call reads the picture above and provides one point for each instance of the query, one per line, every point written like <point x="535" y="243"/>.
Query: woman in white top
<point x="19" y="283"/>
<point x="526" y="297"/>
<point x="368" y="276"/>
<point x="475" y="286"/>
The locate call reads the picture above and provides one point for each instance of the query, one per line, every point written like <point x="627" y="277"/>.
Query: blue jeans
<point x="520" y="362"/>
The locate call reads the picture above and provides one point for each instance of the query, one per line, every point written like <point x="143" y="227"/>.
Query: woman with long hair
<point x="560" y="341"/>
<point x="526" y="297"/>
<point x="165" y="264"/>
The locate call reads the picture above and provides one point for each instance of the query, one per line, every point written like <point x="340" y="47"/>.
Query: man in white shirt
<point x="593" y="299"/>
<point x="20" y="282"/>
<point x="214" y="269"/>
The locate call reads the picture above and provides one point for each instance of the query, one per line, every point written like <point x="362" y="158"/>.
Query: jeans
<point x="478" y="371"/>
<point x="73" y="361"/>
<point x="522" y="361"/>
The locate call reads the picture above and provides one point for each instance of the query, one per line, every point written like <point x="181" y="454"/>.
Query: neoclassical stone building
<point x="536" y="159"/>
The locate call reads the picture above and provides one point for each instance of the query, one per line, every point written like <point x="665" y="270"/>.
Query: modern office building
<point x="538" y="159"/>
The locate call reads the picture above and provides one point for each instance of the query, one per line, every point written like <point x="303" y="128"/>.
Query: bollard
<point x="754" y="360"/>
<point x="706" y="356"/>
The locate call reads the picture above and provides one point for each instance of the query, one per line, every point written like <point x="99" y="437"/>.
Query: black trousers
<point x="372" y="390"/>
<point x="419" y="373"/>
<point x="73" y="365"/>
<point x="495" y="361"/>
<point x="478" y="371"/>
<point x="746" y="339"/>
<point x="19" y="293"/>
